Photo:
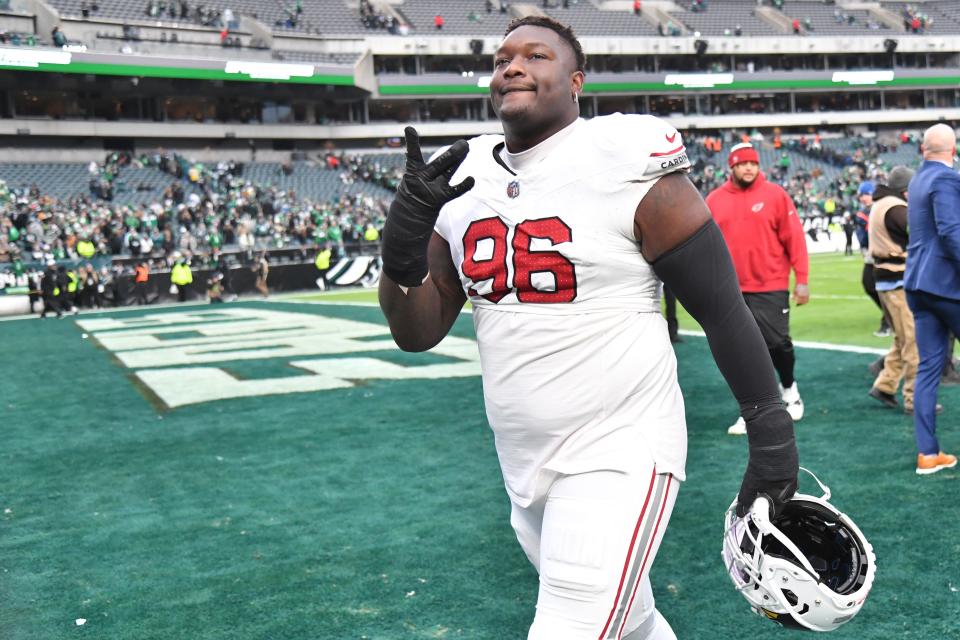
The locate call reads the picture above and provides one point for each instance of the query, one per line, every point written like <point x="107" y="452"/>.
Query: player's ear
<point x="576" y="82"/>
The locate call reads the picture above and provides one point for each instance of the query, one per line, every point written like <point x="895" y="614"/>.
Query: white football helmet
<point x="809" y="568"/>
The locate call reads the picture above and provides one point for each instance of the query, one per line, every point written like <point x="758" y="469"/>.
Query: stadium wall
<point x="180" y="130"/>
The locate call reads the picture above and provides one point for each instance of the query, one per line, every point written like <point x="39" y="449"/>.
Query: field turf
<point x="376" y="510"/>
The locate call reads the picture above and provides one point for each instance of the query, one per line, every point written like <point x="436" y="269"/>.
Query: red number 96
<point x="526" y="261"/>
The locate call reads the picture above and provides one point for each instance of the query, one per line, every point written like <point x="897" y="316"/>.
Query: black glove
<point x="424" y="189"/>
<point x="773" y="464"/>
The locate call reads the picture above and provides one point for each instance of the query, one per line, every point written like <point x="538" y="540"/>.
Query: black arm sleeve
<point x="701" y="274"/>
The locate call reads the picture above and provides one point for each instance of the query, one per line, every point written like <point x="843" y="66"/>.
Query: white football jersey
<point x="578" y="370"/>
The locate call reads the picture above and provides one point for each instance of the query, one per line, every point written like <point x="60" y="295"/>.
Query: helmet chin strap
<point x="823" y="487"/>
<point x="760" y="515"/>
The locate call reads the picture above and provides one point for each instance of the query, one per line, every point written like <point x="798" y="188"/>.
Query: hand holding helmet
<point x="808" y="568"/>
<point x="773" y="464"/>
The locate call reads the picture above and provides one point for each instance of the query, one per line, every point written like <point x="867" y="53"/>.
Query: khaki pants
<point x="902" y="359"/>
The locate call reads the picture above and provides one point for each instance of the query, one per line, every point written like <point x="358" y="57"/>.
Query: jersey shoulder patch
<point x="648" y="146"/>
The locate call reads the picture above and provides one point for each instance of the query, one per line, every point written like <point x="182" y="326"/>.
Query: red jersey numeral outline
<point x="525" y="261"/>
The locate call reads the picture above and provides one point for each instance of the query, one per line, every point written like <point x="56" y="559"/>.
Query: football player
<point x="560" y="232"/>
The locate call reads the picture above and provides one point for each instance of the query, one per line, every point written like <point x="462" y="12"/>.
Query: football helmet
<point x="808" y="568"/>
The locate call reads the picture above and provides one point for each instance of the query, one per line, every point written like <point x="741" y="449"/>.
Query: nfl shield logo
<point x="513" y="189"/>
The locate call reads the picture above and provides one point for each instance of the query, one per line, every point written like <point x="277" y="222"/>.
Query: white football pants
<point x="593" y="538"/>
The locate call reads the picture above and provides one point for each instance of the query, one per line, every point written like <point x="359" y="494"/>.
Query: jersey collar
<point x="529" y="158"/>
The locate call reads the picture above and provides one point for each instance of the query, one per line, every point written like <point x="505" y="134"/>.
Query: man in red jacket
<point x="765" y="238"/>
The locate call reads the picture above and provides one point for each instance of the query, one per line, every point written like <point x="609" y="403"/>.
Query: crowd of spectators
<point x="199" y="13"/>
<point x="826" y="201"/>
<point x="205" y="208"/>
<point x="294" y="15"/>
<point x="372" y="18"/>
<point x="19" y="38"/>
<point x="915" y="20"/>
<point x="209" y="207"/>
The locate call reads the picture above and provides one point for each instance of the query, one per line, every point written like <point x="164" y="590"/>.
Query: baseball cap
<point x="866" y="188"/>
<point x="743" y="152"/>
<point x="899" y="178"/>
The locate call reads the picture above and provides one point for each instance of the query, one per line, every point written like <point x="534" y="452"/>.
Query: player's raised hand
<point x="428" y="185"/>
<point x="423" y="191"/>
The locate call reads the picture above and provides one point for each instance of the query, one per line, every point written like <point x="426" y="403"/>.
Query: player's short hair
<point x="561" y="30"/>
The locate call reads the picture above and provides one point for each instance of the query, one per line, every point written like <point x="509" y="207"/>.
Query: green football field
<point x="278" y="470"/>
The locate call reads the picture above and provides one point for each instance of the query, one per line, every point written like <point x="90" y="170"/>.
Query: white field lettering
<point x="181" y="370"/>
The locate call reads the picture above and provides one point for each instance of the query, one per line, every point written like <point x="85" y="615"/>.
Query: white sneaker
<point x="791" y="397"/>
<point x="738" y="428"/>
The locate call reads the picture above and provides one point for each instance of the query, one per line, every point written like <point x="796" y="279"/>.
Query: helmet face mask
<point x="810" y="568"/>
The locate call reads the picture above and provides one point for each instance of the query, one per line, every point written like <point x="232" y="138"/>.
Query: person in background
<point x="865" y="196"/>
<point x="89" y="293"/>
<point x="35" y="291"/>
<point x="322" y="263"/>
<point x="182" y="277"/>
<point x="226" y="280"/>
<point x="888" y="248"/>
<point x="215" y="288"/>
<point x="262" y="271"/>
<point x="763" y="232"/>
<point x="141" y="276"/>
<point x="932" y="282"/>
<point x="50" y="290"/>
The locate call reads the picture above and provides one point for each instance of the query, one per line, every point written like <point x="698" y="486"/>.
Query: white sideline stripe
<point x="826" y="346"/>
<point x="803" y="344"/>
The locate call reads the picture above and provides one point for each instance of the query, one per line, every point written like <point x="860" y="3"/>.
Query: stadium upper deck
<point x="481" y="18"/>
<point x="338" y="69"/>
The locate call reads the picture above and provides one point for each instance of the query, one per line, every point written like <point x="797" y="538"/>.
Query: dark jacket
<point x="49" y="283"/>
<point x="933" y="255"/>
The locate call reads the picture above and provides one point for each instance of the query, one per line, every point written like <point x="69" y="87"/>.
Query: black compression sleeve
<point x="701" y="274"/>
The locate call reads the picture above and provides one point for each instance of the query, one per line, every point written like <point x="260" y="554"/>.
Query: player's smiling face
<point x="534" y="78"/>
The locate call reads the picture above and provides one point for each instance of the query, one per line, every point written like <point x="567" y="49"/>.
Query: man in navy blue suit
<point x="932" y="281"/>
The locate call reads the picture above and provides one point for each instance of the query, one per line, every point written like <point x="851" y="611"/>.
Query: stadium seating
<point x="721" y="18"/>
<point x="314" y="57"/>
<point x="470" y="18"/>
<point x="58" y="179"/>
<point x="943" y="14"/>
<point x="587" y="20"/>
<point x="820" y="19"/>
<point x="456" y="18"/>
<point x="138" y="185"/>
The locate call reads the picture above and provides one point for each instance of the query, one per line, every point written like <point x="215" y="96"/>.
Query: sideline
<point x="804" y="344"/>
<point x="292" y="298"/>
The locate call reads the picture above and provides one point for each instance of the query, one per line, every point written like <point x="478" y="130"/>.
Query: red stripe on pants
<point x="626" y="562"/>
